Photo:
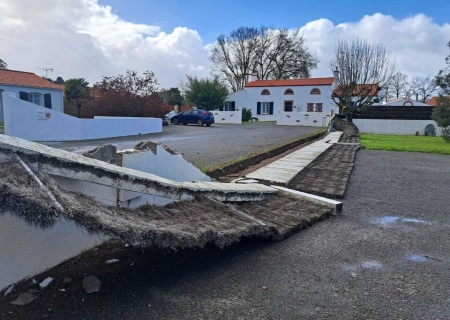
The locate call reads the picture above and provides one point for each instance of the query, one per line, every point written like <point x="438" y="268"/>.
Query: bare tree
<point x="424" y="88"/>
<point x="397" y="86"/>
<point x="362" y="70"/>
<point x="271" y="54"/>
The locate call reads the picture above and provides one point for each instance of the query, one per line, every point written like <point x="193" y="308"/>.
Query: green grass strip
<point x="386" y="142"/>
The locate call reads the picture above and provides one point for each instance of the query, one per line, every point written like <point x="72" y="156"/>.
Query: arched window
<point x="265" y="92"/>
<point x="289" y="91"/>
<point x="315" y="91"/>
<point x="408" y="103"/>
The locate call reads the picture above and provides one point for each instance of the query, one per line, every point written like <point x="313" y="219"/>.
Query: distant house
<point x="403" y="102"/>
<point x="30" y="87"/>
<point x="434" y="101"/>
<point x="266" y="97"/>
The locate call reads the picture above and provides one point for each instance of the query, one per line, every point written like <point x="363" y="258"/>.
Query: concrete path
<point x="284" y="170"/>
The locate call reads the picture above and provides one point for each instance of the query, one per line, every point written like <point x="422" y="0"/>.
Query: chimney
<point x="336" y="73"/>
<point x="254" y="76"/>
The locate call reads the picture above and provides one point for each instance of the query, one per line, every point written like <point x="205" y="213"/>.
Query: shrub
<point x="441" y="114"/>
<point x="246" y="114"/>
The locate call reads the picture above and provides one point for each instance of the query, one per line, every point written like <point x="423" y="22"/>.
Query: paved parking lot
<point x="205" y="146"/>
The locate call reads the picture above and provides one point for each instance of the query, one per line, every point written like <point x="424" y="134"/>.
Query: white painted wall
<point x="249" y="97"/>
<point x="228" y="116"/>
<point x="398" y="127"/>
<point x="310" y="119"/>
<point x="27" y="251"/>
<point x="32" y="122"/>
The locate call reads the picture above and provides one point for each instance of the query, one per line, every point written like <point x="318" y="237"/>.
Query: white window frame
<point x="227" y="106"/>
<point x="35" y="98"/>
<point x="265" y="107"/>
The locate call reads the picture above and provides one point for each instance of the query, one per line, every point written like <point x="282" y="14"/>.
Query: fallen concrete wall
<point x="397" y="127"/>
<point x="36" y="123"/>
<point x="27" y="251"/>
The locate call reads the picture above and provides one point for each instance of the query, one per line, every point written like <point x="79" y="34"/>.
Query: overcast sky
<point x="91" y="38"/>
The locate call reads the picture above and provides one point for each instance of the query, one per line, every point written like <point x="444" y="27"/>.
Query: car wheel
<point x="175" y="121"/>
<point x="208" y="124"/>
<point x="200" y="122"/>
<point x="184" y="123"/>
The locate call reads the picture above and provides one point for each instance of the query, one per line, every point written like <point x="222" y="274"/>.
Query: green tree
<point x="76" y="92"/>
<point x="172" y="96"/>
<point x="360" y="70"/>
<point x="3" y="64"/>
<point x="207" y="94"/>
<point x="441" y="114"/>
<point x="443" y="77"/>
<point x="59" y="80"/>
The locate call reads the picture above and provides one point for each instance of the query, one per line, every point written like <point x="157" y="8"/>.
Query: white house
<point x="32" y="88"/>
<point x="404" y="102"/>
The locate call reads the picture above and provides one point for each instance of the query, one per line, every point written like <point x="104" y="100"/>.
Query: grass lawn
<point x="405" y="143"/>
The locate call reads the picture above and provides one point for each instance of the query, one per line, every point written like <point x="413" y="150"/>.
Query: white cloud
<point x="80" y="38"/>
<point x="417" y="43"/>
<point x="83" y="39"/>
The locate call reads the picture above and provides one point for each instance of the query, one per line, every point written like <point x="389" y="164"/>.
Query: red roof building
<point x="25" y="79"/>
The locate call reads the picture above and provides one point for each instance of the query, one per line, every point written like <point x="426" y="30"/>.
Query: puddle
<point x="374" y="265"/>
<point x="417" y="258"/>
<point x="392" y="219"/>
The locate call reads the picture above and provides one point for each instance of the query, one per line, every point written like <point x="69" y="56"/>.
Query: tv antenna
<point x="46" y="70"/>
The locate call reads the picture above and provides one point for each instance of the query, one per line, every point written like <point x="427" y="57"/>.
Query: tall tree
<point x="361" y="69"/>
<point x="443" y="77"/>
<point x="207" y="94"/>
<point x="76" y="92"/>
<point x="3" y="64"/>
<point x="271" y="54"/>
<point x="424" y="88"/>
<point x="172" y="96"/>
<point x="397" y="85"/>
<point x="441" y="114"/>
<point x="129" y="95"/>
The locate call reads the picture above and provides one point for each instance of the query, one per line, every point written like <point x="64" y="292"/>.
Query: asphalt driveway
<point x="205" y="146"/>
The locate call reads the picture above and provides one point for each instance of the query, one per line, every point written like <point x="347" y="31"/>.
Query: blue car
<point x="197" y="116"/>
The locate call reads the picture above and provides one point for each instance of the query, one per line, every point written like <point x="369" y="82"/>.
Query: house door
<point x="288" y="106"/>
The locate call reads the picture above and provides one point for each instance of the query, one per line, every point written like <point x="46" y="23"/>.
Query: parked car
<point x="198" y="116"/>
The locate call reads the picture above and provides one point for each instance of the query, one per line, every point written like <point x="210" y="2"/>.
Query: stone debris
<point x="91" y="284"/>
<point x="33" y="291"/>
<point x="23" y="299"/>
<point x="111" y="261"/>
<point x="44" y="284"/>
<point x="105" y="153"/>
<point x="67" y="280"/>
<point x="9" y="290"/>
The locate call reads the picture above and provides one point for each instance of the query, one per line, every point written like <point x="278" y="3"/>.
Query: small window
<point x="265" y="92"/>
<point x="34" y="98"/>
<point x="319" y="107"/>
<point x="315" y="91"/>
<point x="408" y="103"/>
<point x="265" y="107"/>
<point x="228" y="106"/>
<point x="310" y="107"/>
<point x="289" y="91"/>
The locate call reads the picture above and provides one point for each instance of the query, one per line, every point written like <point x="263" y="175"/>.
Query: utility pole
<point x="46" y="70"/>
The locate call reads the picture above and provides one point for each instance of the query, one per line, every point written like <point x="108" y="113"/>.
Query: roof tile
<point x="291" y="82"/>
<point x="25" y="79"/>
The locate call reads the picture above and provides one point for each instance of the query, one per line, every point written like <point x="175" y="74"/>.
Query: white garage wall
<point x="32" y="122"/>
<point x="398" y="127"/>
<point x="310" y="119"/>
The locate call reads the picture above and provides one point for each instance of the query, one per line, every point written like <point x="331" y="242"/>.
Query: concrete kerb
<point x="336" y="205"/>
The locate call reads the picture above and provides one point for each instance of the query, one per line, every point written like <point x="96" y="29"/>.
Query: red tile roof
<point x="25" y="79"/>
<point x="291" y="82"/>
<point x="434" y="101"/>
